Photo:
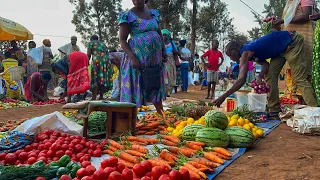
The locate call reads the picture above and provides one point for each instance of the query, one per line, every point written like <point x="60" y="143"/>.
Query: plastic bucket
<point x="257" y="102"/>
<point x="242" y="98"/>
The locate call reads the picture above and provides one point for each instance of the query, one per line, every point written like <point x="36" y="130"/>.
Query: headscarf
<point x="183" y="42"/>
<point x="45" y="42"/>
<point x="166" y="32"/>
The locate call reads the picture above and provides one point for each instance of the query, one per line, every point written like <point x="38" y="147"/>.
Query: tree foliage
<point x="4" y="45"/>
<point x="237" y="36"/>
<point x="255" y="33"/>
<point x="171" y="11"/>
<point x="214" y="21"/>
<point x="97" y="17"/>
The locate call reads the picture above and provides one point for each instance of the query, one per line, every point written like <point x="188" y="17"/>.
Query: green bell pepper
<point x="64" y="160"/>
<point x="53" y="169"/>
<point x="61" y="171"/>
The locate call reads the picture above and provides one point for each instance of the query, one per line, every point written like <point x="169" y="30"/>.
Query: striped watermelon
<point x="213" y="137"/>
<point x="239" y="137"/>
<point x="216" y="119"/>
<point x="190" y="131"/>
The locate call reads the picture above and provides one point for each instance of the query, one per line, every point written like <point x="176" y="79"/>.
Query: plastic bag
<point x="305" y="120"/>
<point x="190" y="79"/>
<point x="37" y="55"/>
<point x="54" y="121"/>
<point x="290" y="10"/>
<point x="196" y="77"/>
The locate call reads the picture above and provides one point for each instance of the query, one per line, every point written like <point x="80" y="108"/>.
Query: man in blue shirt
<point x="280" y="46"/>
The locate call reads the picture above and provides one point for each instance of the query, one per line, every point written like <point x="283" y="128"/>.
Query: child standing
<point x="213" y="55"/>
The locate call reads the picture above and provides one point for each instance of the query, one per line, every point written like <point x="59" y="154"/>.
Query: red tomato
<point x="56" y="133"/>
<point x="82" y="172"/>
<point x="28" y="148"/>
<point x="148" y="174"/>
<point x="145" y="178"/>
<point x="42" y="154"/>
<point x="114" y="176"/>
<point x="52" y="140"/>
<point x="36" y="151"/>
<point x="165" y="169"/>
<point x="65" y="147"/>
<point x="23" y="156"/>
<point x="136" y="179"/>
<point x="41" y="147"/>
<point x="100" y="174"/>
<point x="2" y="156"/>
<point x="120" y="167"/>
<point x="48" y="132"/>
<point x="59" y="153"/>
<point x="55" y="147"/>
<point x="139" y="170"/>
<point x="99" y="146"/>
<point x="127" y="174"/>
<point x="147" y="164"/>
<point x="185" y="175"/>
<point x="69" y="153"/>
<point x="87" y="178"/>
<point x="50" y="153"/>
<point x="42" y="137"/>
<point x="55" y="159"/>
<point x="97" y="153"/>
<point x="83" y="142"/>
<point x="175" y="175"/>
<point x="91" y="169"/>
<point x="113" y="161"/>
<point x="31" y="160"/>
<point x="105" y="163"/>
<point x="65" y="177"/>
<point x="64" y="135"/>
<point x="79" y="155"/>
<point x="78" y="148"/>
<point x="44" y="151"/>
<point x="85" y="150"/>
<point x="43" y="159"/>
<point x="84" y="164"/>
<point x="11" y="158"/>
<point x="92" y="146"/>
<point x="68" y="139"/>
<point x="156" y="172"/>
<point x="18" y="152"/>
<point x="32" y="154"/>
<point x="109" y="170"/>
<point x="164" y="177"/>
<point x="90" y="151"/>
<point x="40" y="178"/>
<point x="78" y="137"/>
<point x="61" y="139"/>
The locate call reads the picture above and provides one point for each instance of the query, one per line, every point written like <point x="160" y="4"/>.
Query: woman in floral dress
<point x="145" y="48"/>
<point x="101" y="69"/>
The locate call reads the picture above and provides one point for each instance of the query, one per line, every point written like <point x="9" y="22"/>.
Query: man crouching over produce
<point x="280" y="46"/>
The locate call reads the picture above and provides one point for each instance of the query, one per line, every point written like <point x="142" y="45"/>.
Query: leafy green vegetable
<point x="24" y="172"/>
<point x="244" y="112"/>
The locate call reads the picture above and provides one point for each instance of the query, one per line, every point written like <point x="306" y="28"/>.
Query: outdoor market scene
<point x="160" y="90"/>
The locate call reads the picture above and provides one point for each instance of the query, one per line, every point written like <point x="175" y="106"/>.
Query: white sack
<point x="306" y="120"/>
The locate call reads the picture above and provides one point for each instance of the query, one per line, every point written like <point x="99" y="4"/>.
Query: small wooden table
<point x="121" y="117"/>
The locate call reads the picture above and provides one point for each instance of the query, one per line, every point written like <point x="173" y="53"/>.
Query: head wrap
<point x="183" y="42"/>
<point x="166" y="32"/>
<point x="46" y="42"/>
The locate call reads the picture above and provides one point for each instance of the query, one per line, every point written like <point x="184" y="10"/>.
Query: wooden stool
<point x="121" y="117"/>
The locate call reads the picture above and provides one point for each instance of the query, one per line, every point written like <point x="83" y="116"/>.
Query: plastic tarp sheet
<point x="54" y="121"/>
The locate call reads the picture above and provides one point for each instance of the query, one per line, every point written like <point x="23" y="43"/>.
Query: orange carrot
<point x="150" y="133"/>
<point x="115" y="144"/>
<point x="197" y="165"/>
<point x="107" y="151"/>
<point x="189" y="166"/>
<point x="168" y="143"/>
<point x="157" y="162"/>
<point x="193" y="174"/>
<point x="126" y="163"/>
<point x="140" y="132"/>
<point x="163" y="132"/>
<point x="177" y="123"/>
<point x="189" y="149"/>
<point x="154" y="124"/>
<point x="164" y="162"/>
<point x="140" y="149"/>
<point x="180" y="150"/>
<point x="196" y="143"/>
<point x="166" y="156"/>
<point x="112" y="148"/>
<point x="205" y="162"/>
<point x="135" y="153"/>
<point x="139" y="142"/>
<point x="162" y="128"/>
<point x="151" y="140"/>
<point x="128" y="157"/>
<point x="171" y="138"/>
<point x="222" y="151"/>
<point x="194" y="146"/>
<point x="221" y="155"/>
<point x="213" y="158"/>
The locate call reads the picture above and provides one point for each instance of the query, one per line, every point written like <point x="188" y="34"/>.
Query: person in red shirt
<point x="213" y="55"/>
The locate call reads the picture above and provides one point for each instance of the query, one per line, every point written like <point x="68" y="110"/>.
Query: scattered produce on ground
<point x="144" y="109"/>
<point x="51" y="101"/>
<point x="11" y="124"/>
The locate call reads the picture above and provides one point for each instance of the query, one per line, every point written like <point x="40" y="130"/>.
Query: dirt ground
<point x="282" y="155"/>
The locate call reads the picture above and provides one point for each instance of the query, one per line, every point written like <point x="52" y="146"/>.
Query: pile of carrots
<point x="154" y="123"/>
<point x="11" y="124"/>
<point x="189" y="155"/>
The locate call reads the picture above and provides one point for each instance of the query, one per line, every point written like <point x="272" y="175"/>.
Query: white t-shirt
<point x="185" y="53"/>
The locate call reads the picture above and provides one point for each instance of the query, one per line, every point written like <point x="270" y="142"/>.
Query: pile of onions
<point x="262" y="88"/>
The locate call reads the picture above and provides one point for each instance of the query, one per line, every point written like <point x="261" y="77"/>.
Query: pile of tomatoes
<point x="51" y="101"/>
<point x="50" y="146"/>
<point x="111" y="169"/>
<point x="8" y="100"/>
<point x="285" y="100"/>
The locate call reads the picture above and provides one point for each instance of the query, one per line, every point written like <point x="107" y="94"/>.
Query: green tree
<point x="97" y="17"/>
<point x="213" y="21"/>
<point x="237" y="36"/>
<point x="4" y="45"/>
<point x="255" y="33"/>
<point x="171" y="11"/>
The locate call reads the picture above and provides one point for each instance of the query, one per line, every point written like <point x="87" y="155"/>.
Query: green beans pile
<point x="316" y="63"/>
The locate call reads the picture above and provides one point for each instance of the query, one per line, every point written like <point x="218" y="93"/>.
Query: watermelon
<point x="239" y="137"/>
<point x="213" y="137"/>
<point x="216" y="119"/>
<point x="190" y="131"/>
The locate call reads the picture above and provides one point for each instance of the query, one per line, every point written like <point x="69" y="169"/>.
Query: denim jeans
<point x="184" y="75"/>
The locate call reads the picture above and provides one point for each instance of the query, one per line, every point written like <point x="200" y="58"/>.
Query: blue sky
<point x="53" y="17"/>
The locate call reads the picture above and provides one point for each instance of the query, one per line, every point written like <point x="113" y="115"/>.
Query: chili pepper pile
<point x="285" y="100"/>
